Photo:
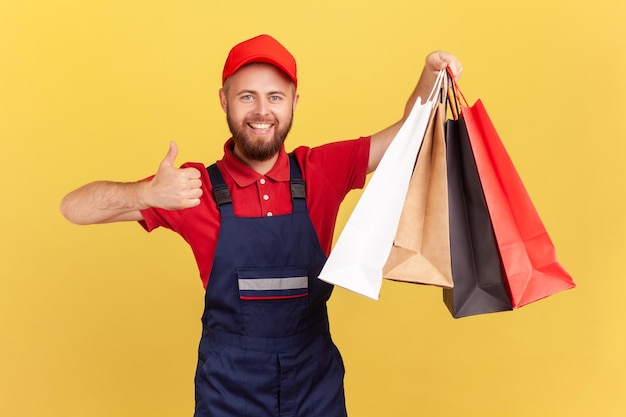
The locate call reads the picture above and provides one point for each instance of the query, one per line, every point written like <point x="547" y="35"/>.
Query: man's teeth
<point x="261" y="125"/>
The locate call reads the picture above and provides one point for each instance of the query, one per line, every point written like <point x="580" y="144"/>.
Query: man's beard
<point x="258" y="151"/>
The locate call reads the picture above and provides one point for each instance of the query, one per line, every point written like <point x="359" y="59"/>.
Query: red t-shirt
<point x="330" y="172"/>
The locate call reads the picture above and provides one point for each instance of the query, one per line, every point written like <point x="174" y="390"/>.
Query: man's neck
<point x="262" y="167"/>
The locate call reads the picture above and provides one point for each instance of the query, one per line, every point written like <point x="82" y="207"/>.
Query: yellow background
<point x="104" y="320"/>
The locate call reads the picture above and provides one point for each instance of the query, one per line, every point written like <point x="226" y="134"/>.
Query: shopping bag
<point x="528" y="254"/>
<point x="361" y="250"/>
<point x="476" y="270"/>
<point x="421" y="249"/>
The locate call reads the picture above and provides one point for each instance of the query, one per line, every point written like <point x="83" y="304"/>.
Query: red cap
<point x="262" y="48"/>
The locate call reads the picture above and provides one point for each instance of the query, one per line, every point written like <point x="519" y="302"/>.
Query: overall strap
<point x="298" y="188"/>
<point x="221" y="193"/>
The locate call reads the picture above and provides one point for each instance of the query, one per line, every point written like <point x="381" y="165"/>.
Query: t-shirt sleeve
<point x="343" y="164"/>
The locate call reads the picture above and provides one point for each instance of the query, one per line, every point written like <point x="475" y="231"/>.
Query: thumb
<point x="170" y="157"/>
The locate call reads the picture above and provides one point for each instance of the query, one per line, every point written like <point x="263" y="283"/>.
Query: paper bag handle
<point x="456" y="94"/>
<point x="436" y="91"/>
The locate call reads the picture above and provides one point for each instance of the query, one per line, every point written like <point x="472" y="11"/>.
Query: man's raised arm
<point x="435" y="62"/>
<point x="98" y="202"/>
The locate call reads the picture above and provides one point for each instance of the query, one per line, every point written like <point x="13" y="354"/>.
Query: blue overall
<point x="266" y="349"/>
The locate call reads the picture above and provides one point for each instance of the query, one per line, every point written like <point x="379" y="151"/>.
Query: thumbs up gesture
<point x="175" y="188"/>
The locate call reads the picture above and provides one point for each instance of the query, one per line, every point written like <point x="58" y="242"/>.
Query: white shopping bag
<point x="357" y="259"/>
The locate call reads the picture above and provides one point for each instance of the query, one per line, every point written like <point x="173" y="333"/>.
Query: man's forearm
<point x="105" y="202"/>
<point x="422" y="89"/>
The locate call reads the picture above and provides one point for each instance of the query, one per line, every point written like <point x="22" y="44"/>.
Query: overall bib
<point x="266" y="349"/>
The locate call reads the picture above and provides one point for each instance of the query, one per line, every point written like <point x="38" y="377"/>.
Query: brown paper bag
<point x="421" y="250"/>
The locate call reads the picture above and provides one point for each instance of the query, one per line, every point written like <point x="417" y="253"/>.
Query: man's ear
<point x="295" y="101"/>
<point x="223" y="99"/>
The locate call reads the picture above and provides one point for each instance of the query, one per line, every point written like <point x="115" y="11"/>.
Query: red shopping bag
<point x="528" y="255"/>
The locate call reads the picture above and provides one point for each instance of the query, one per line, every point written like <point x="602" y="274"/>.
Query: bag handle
<point x="455" y="93"/>
<point x="436" y="91"/>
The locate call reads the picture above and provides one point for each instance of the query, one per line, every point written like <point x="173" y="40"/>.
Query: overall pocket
<point x="274" y="301"/>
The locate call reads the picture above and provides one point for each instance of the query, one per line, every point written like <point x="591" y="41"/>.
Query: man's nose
<point x="262" y="107"/>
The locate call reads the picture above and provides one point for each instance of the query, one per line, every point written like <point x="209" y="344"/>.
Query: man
<point x="260" y="223"/>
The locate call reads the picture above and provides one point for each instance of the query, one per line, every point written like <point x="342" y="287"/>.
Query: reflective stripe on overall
<point x="266" y="349"/>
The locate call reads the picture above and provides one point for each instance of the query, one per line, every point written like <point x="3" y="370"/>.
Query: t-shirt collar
<point x="244" y="175"/>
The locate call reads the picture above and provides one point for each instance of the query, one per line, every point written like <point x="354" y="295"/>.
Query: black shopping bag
<point x="476" y="268"/>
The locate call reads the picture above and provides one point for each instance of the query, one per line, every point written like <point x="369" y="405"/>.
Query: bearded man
<point x="260" y="223"/>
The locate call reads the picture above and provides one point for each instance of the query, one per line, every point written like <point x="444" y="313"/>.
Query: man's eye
<point x="247" y="97"/>
<point x="274" y="98"/>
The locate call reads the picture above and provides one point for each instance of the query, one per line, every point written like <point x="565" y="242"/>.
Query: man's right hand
<point x="174" y="188"/>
